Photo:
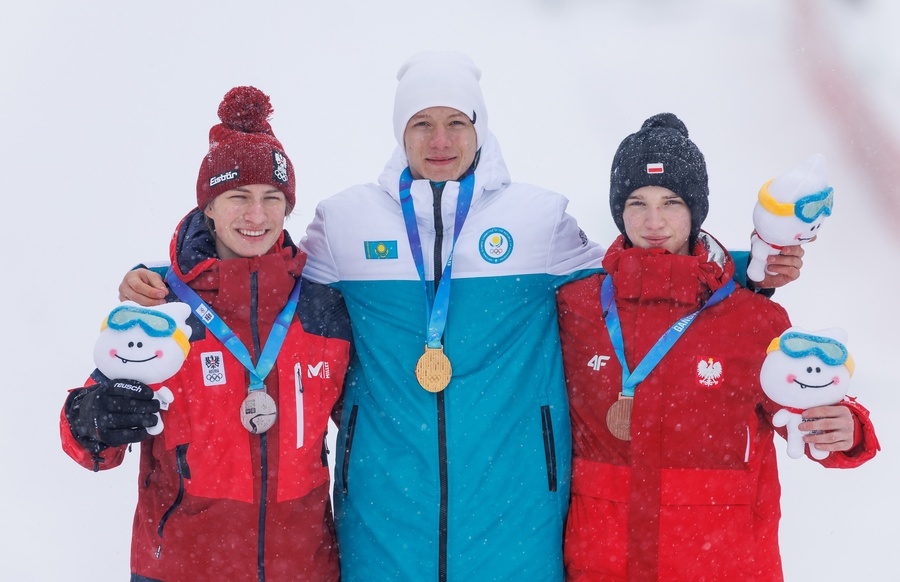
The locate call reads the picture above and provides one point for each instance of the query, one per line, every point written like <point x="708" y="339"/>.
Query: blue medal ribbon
<point x="630" y="380"/>
<point x="436" y="310"/>
<point x="221" y="330"/>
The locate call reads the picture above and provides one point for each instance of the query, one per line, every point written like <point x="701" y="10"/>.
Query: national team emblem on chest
<point x="381" y="249"/>
<point x="213" y="368"/>
<point x="495" y="245"/>
<point x="710" y="372"/>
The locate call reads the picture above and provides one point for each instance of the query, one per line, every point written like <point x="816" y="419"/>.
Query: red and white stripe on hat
<point x="655" y="168"/>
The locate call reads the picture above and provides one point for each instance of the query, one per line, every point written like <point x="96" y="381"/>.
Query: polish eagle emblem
<point x="709" y="372"/>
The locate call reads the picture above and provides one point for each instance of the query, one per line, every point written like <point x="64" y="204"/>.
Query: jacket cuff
<point x="865" y="442"/>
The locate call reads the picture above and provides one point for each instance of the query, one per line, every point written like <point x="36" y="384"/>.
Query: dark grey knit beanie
<point x="660" y="154"/>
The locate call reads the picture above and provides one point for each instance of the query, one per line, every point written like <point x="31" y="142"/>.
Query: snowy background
<point x="105" y="108"/>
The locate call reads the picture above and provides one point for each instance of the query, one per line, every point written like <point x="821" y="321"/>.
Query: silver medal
<point x="258" y="412"/>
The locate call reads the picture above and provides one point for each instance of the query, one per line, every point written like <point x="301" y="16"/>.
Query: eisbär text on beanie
<point x="243" y="150"/>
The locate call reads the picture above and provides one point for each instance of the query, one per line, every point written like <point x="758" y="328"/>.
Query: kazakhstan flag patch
<point x="381" y="249"/>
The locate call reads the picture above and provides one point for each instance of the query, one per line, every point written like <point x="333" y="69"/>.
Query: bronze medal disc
<point x="618" y="418"/>
<point x="433" y="370"/>
<point x="258" y="412"/>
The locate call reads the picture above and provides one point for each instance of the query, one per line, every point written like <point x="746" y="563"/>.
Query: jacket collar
<point x="490" y="174"/>
<point x="192" y="253"/>
<point x="645" y="275"/>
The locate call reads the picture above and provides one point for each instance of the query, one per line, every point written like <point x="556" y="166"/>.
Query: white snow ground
<point x="104" y="113"/>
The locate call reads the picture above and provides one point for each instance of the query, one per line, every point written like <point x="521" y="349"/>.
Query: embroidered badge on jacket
<point x="496" y="245"/>
<point x="710" y="373"/>
<point x="213" y="368"/>
<point x="381" y="249"/>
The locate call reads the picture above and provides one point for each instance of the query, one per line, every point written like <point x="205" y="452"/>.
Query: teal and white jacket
<point x="471" y="483"/>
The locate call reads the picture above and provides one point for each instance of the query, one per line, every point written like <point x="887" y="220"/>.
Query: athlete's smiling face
<point x="248" y="220"/>
<point x="440" y="144"/>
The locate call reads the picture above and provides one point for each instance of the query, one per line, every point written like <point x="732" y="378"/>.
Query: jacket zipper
<point x="348" y="446"/>
<point x="298" y="395"/>
<point x="184" y="472"/>
<point x="437" y="191"/>
<point x="263" y="442"/>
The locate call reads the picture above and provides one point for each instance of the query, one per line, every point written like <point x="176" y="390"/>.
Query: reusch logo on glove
<point x="127" y="386"/>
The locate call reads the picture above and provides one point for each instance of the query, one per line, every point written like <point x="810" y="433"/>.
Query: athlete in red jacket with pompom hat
<point x="222" y="496"/>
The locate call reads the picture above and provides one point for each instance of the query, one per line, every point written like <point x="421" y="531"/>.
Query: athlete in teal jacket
<point x="471" y="482"/>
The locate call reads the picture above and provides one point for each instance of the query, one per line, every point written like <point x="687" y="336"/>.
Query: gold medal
<point x="618" y="418"/>
<point x="258" y="412"/>
<point x="433" y="370"/>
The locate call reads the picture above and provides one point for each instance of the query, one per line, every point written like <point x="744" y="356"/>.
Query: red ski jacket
<point x="216" y="502"/>
<point x="694" y="495"/>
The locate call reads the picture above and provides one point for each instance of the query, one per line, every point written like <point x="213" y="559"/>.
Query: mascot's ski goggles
<point x="154" y="323"/>
<point x="806" y="209"/>
<point x="800" y="345"/>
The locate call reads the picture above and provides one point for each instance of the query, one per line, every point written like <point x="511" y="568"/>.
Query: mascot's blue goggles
<point x="154" y="323"/>
<point x="807" y="209"/>
<point x="800" y="345"/>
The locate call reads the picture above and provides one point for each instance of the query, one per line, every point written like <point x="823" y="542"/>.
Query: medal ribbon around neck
<point x="258" y="410"/>
<point x="438" y="308"/>
<point x="220" y="329"/>
<point x="630" y="380"/>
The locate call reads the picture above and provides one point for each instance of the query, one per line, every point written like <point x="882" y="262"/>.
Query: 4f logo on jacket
<point x="598" y="361"/>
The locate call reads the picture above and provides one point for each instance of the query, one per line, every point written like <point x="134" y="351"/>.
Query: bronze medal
<point x="433" y="370"/>
<point x="258" y="412"/>
<point x="618" y="418"/>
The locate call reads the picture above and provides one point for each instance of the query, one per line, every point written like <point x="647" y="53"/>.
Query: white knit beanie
<point x="439" y="79"/>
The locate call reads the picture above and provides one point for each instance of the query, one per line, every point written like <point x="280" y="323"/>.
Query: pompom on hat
<point x="439" y="79"/>
<point x="243" y="150"/>
<point x="660" y="154"/>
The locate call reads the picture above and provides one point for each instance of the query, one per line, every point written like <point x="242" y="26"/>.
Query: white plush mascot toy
<point x="147" y="344"/>
<point x="802" y="370"/>
<point x="789" y="211"/>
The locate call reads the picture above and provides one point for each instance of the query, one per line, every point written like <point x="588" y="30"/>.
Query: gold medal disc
<point x="433" y="370"/>
<point x="618" y="418"/>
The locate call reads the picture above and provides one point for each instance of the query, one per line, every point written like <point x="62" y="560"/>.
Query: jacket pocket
<point x="348" y="447"/>
<point x="706" y="524"/>
<point x="549" y="447"/>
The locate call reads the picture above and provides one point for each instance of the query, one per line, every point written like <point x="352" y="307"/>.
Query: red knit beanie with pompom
<point x="243" y="150"/>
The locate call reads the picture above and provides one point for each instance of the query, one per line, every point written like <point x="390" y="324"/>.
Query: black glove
<point x="110" y="414"/>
